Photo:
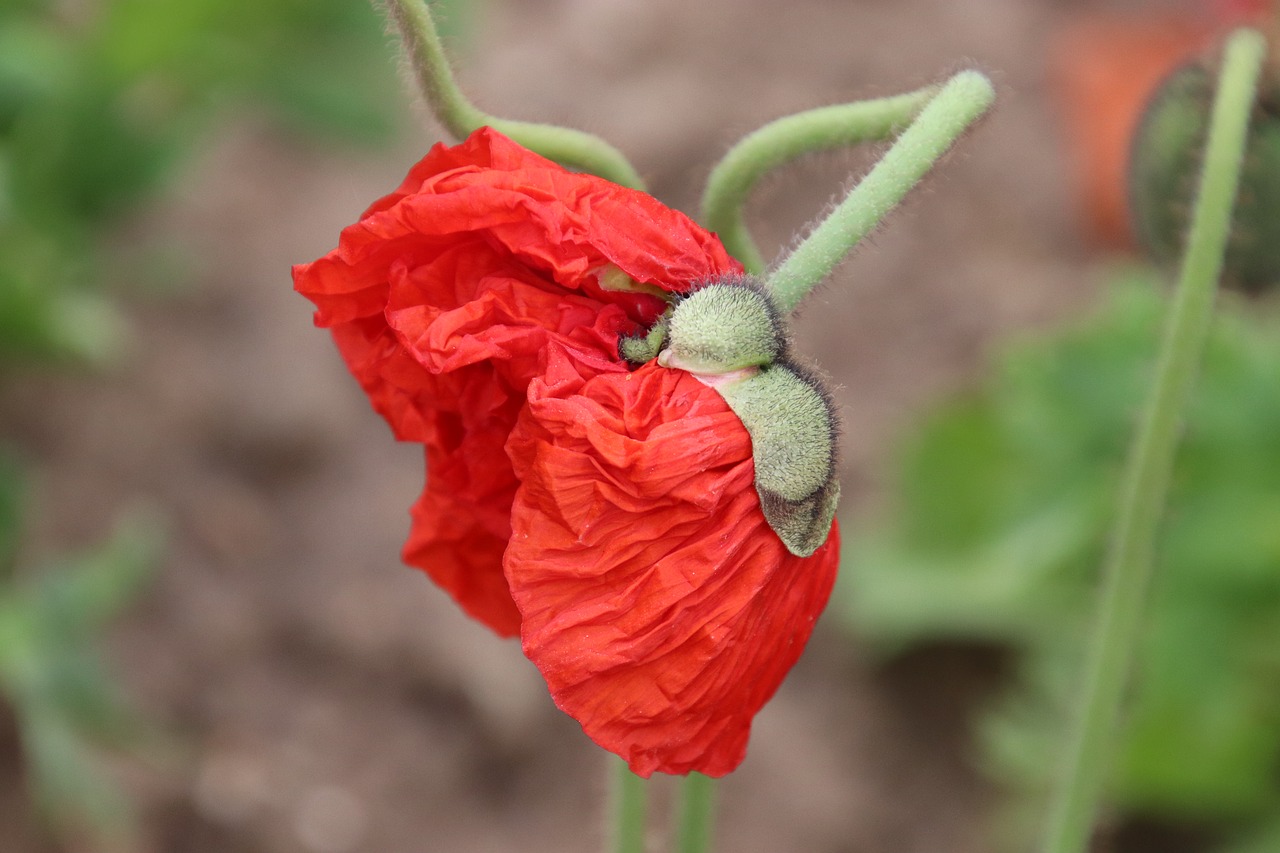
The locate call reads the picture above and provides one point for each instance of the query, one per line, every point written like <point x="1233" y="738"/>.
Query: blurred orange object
<point x="1237" y="12"/>
<point x="1103" y="71"/>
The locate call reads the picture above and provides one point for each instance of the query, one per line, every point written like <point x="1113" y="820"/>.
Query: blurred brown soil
<point x="326" y="699"/>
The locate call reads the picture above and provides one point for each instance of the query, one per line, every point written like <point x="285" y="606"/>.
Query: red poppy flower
<point x="605" y="514"/>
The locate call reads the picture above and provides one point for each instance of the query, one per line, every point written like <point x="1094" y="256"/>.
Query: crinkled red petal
<point x="444" y="299"/>
<point x="659" y="605"/>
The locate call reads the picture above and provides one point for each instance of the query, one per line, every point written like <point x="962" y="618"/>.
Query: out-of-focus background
<point x="207" y="642"/>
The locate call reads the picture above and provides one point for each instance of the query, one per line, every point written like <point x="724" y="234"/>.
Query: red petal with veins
<point x="659" y="605"/>
<point x="444" y="300"/>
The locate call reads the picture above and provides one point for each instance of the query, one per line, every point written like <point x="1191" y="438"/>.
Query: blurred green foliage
<point x="67" y="706"/>
<point x="100" y="102"/>
<point x="1003" y="501"/>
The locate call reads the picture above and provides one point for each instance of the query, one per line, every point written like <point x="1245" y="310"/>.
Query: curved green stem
<point x="1127" y="569"/>
<point x="630" y="810"/>
<point x="957" y="105"/>
<point x="697" y="814"/>
<point x="782" y="141"/>
<point x="460" y="117"/>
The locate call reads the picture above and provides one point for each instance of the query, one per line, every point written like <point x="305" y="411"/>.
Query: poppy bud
<point x="1165" y="169"/>
<point x="730" y="335"/>
<point x="725" y="326"/>
<point x="792" y="427"/>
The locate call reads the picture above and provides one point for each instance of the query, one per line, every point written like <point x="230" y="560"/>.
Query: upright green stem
<point x="782" y="141"/>
<point x="957" y="105"/>
<point x="1127" y="569"/>
<point x="460" y="117"/>
<point x="697" y="814"/>
<point x="630" y="809"/>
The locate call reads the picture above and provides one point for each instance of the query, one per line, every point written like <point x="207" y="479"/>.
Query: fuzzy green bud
<point x="637" y="349"/>
<point x="724" y="326"/>
<point x="730" y="335"/>
<point x="1167" y="155"/>
<point x="792" y="427"/>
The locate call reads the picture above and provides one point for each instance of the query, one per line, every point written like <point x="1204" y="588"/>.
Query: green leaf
<point x="53" y="625"/>
<point x="34" y="63"/>
<point x="76" y="596"/>
<point x="71" y="789"/>
<point x="67" y="706"/>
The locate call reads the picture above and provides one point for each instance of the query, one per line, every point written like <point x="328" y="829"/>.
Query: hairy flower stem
<point x="957" y="105"/>
<point x="696" y="817"/>
<point x="566" y="146"/>
<point x="782" y="141"/>
<point x="1142" y="497"/>
<point x="630" y="809"/>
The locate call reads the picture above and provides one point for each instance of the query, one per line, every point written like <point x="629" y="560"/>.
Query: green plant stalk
<point x="460" y="117"/>
<point x="630" y="810"/>
<point x="781" y="141"/>
<point x="957" y="105"/>
<point x="1127" y="569"/>
<point x="697" y="814"/>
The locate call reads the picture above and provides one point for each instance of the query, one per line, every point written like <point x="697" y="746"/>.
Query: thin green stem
<point x="630" y="810"/>
<point x="1127" y="569"/>
<point x="460" y="117"/>
<point x="782" y="141"/>
<point x="957" y="105"/>
<point x="697" y="814"/>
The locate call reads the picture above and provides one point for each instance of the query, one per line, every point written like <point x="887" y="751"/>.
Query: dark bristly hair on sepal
<point x="794" y="433"/>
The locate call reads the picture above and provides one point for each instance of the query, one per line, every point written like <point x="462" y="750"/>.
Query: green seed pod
<point x="725" y="326"/>
<point x="1165" y="169"/>
<point x="793" y="427"/>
